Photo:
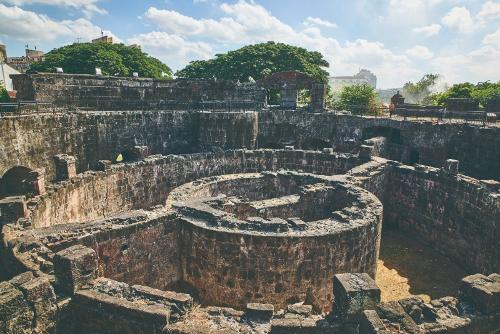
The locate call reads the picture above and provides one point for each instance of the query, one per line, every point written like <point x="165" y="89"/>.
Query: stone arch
<point x="393" y="135"/>
<point x="17" y="180"/>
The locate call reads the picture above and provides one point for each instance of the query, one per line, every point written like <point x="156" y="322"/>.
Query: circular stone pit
<point x="274" y="237"/>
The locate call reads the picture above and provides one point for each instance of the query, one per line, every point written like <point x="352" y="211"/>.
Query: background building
<point x="22" y="63"/>
<point x="5" y="69"/>
<point x="103" y="39"/>
<point x="363" y="76"/>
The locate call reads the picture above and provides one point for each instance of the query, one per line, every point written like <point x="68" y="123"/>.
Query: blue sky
<point x="399" y="40"/>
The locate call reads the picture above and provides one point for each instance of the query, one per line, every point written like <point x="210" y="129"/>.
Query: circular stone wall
<point x="274" y="237"/>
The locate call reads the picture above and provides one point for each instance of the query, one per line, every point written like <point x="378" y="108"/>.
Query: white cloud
<point x="173" y="50"/>
<point x="460" y="19"/>
<point x="489" y="11"/>
<point x="316" y="21"/>
<point x="420" y="52"/>
<point x="493" y="39"/>
<point x="247" y="22"/>
<point x="429" y="30"/>
<point x="88" y="6"/>
<point x="478" y="65"/>
<point x="25" y="25"/>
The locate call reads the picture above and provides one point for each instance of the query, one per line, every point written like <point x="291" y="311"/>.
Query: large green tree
<point x="359" y="99"/>
<point x="481" y="92"/>
<point x="112" y="59"/>
<point x="257" y="61"/>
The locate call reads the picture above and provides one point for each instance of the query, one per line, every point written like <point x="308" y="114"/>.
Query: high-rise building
<point x="362" y="77"/>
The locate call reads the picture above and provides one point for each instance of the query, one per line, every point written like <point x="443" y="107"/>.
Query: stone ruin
<point x="249" y="221"/>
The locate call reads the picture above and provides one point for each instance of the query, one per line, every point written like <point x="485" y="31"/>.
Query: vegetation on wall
<point x="112" y="59"/>
<point x="4" y="96"/>
<point x="257" y="61"/>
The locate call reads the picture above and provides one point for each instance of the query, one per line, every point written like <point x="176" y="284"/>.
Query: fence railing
<point x="478" y="116"/>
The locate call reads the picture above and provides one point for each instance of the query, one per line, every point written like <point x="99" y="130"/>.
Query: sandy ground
<point x="407" y="268"/>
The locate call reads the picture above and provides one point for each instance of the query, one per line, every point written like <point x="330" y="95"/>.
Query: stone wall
<point x="455" y="214"/>
<point x="144" y="184"/>
<point x="33" y="140"/>
<point x="478" y="149"/>
<point x="115" y="93"/>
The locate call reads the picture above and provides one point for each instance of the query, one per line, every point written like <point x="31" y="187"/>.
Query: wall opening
<point x="393" y="135"/>
<point x="17" y="181"/>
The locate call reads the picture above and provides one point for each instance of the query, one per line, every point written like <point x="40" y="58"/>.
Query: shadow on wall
<point x="313" y="144"/>
<point x="16" y="181"/>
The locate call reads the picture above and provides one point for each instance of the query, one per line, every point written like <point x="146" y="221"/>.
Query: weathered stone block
<point x="65" y="167"/>
<point x="279" y="326"/>
<point x="37" y="178"/>
<point x="259" y="311"/>
<point x="304" y="310"/>
<point x="182" y="300"/>
<point x="74" y="268"/>
<point x="365" y="152"/>
<point x="103" y="165"/>
<point x="38" y="288"/>
<point x="482" y="291"/>
<point x="370" y="323"/>
<point x="12" y="208"/>
<point x="355" y="293"/>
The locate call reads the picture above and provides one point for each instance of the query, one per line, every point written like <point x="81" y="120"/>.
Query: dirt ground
<point x="407" y="268"/>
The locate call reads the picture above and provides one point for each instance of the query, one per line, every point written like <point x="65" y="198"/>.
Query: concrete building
<point x="5" y="72"/>
<point x="5" y="69"/>
<point x="21" y="64"/>
<point x="103" y="39"/>
<point x="363" y="76"/>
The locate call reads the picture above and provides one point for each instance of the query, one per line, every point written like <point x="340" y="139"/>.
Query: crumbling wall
<point x="477" y="148"/>
<point x="115" y="93"/>
<point x="32" y="141"/>
<point x="144" y="184"/>
<point x="456" y="214"/>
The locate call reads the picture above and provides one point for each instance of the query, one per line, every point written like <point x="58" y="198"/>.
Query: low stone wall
<point x="115" y="93"/>
<point x="143" y="184"/>
<point x="456" y="214"/>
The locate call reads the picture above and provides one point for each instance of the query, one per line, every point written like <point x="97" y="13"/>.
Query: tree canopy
<point x="482" y="92"/>
<point x="257" y="61"/>
<point x="359" y="99"/>
<point x="112" y="59"/>
<point x="419" y="92"/>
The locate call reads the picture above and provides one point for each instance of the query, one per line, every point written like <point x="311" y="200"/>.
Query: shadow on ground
<point x="407" y="267"/>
